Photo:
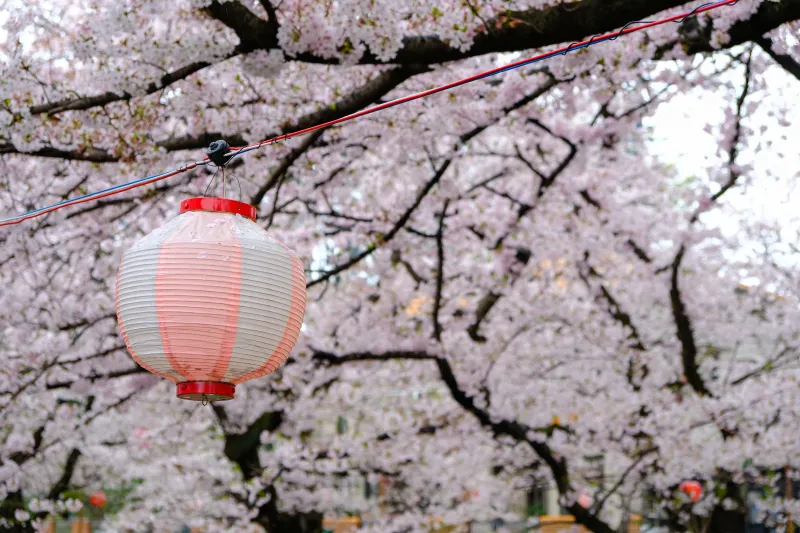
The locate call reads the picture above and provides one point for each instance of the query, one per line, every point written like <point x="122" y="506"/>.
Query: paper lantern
<point x="210" y="300"/>
<point x="98" y="499"/>
<point x="585" y="501"/>
<point x="693" y="489"/>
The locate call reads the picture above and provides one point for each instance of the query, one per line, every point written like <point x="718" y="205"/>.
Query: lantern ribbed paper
<point x="210" y="300"/>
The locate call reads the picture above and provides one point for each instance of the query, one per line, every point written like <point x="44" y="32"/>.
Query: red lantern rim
<point x="199" y="391"/>
<point x="220" y="205"/>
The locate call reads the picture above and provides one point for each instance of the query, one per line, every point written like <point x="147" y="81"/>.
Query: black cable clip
<point x="217" y="152"/>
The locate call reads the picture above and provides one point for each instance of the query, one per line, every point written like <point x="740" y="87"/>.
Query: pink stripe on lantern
<point x="232" y="318"/>
<point x="128" y="342"/>
<point x="197" y="297"/>
<point x="292" y="329"/>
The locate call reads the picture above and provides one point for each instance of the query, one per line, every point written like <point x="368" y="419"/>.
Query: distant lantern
<point x="98" y="499"/>
<point x="585" y="501"/>
<point x="693" y="489"/>
<point x="210" y="300"/>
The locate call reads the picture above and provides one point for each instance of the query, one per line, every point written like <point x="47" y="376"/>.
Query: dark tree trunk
<point x="8" y="507"/>
<point x="242" y="449"/>
<point x="723" y="521"/>
<point x="734" y="521"/>
<point x="291" y="523"/>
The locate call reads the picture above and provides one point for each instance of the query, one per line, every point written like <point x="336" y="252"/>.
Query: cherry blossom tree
<point x="511" y="252"/>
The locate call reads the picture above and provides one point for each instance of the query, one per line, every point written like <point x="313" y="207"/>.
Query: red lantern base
<point x="211" y="391"/>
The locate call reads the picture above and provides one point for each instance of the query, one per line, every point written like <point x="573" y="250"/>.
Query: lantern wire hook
<point x="238" y="183"/>
<point x="205" y="399"/>
<point x="205" y="192"/>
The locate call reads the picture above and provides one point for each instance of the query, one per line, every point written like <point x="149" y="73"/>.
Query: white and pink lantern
<point x="210" y="300"/>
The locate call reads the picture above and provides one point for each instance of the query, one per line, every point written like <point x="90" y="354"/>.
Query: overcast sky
<point x="679" y="138"/>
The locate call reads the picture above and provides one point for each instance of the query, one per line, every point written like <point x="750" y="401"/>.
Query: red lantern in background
<point x="210" y="300"/>
<point x="98" y="499"/>
<point x="693" y="489"/>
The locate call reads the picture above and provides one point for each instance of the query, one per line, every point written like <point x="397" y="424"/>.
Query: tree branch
<point x="545" y="182"/>
<point x="733" y="151"/>
<point x="639" y="252"/>
<point x="598" y="507"/>
<point x="369" y="250"/>
<point x="397" y="258"/>
<point x="437" y="300"/>
<point x="201" y="140"/>
<point x="254" y="32"/>
<point x="334" y="360"/>
<point x="111" y="202"/>
<point x="484" y="306"/>
<point x="786" y="61"/>
<point x="463" y="139"/>
<point x="272" y="16"/>
<point x="91" y="154"/>
<point x="684" y="331"/>
<point x="283" y="167"/>
<point x="534" y="28"/>
<point x="512" y="428"/>
<point x="769" y="366"/>
<point x="682" y="323"/>
<point x="615" y="310"/>
<point x="86" y="322"/>
<point x="614" y="307"/>
<point x="66" y="476"/>
<point x="94" y="377"/>
<point x="769" y="16"/>
<point x="242" y="448"/>
<point x="372" y="91"/>
<point x="86" y="102"/>
<point x="356" y="100"/>
<point x="515" y="31"/>
<point x="22" y="457"/>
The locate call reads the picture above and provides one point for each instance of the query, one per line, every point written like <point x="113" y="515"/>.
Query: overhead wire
<point x="595" y="39"/>
<point x="101" y="194"/>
